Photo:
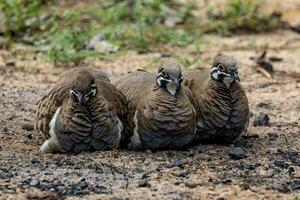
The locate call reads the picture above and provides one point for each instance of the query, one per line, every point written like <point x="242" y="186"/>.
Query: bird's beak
<point x="176" y="82"/>
<point x="81" y="99"/>
<point x="235" y="76"/>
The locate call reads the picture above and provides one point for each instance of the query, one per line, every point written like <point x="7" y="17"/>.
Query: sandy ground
<point x="271" y="169"/>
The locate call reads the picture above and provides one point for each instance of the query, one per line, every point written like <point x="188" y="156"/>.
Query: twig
<point x="166" y="157"/>
<point x="264" y="72"/>
<point x="287" y="124"/>
<point x="100" y="164"/>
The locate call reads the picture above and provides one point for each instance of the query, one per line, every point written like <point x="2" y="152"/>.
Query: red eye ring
<point x="221" y="67"/>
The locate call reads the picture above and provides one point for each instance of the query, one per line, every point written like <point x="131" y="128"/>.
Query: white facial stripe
<point x="160" y="79"/>
<point x="214" y="69"/>
<point x="74" y="93"/>
<point x="93" y="92"/>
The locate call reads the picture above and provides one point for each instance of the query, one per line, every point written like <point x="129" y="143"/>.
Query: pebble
<point x="5" y="130"/>
<point x="27" y="127"/>
<point x="261" y="120"/>
<point x="172" y="21"/>
<point x="183" y="173"/>
<point x="251" y="135"/>
<point x="144" y="183"/>
<point x="178" y="163"/>
<point x="281" y="164"/>
<point x="236" y="153"/>
<point x="248" y="166"/>
<point x="263" y="105"/>
<point x="35" y="161"/>
<point x="82" y="185"/>
<point x="34" y="183"/>
<point x="272" y="136"/>
<point x="100" y="45"/>
<point x="191" y="184"/>
<point x="295" y="184"/>
<point x="29" y="136"/>
<point x="10" y="64"/>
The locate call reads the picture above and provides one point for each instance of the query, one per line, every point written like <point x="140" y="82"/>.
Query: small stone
<point x="100" y="45"/>
<point x="144" y="183"/>
<point x="27" y="127"/>
<point x="237" y="153"/>
<point x="295" y="185"/>
<point x="183" y="173"/>
<point x="263" y="105"/>
<point x="251" y="114"/>
<point x="191" y="184"/>
<point x="5" y="130"/>
<point x="172" y="21"/>
<point x="252" y="135"/>
<point x="291" y="170"/>
<point x="283" y="188"/>
<point x="94" y="40"/>
<point x="248" y="166"/>
<point x="190" y="152"/>
<point x="82" y="185"/>
<point x="35" y="161"/>
<point x="34" y="183"/>
<point x="226" y="181"/>
<point x="295" y="159"/>
<point x="272" y="136"/>
<point x="148" y="152"/>
<point x="178" y="163"/>
<point x="261" y="120"/>
<point x="281" y="164"/>
<point x="29" y="136"/>
<point x="10" y="64"/>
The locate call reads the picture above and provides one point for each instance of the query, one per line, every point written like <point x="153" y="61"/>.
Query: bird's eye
<point x="221" y="67"/>
<point x="180" y="80"/>
<point x="93" y="86"/>
<point x="163" y="73"/>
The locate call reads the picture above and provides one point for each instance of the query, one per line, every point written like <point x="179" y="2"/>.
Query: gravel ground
<point x="264" y="164"/>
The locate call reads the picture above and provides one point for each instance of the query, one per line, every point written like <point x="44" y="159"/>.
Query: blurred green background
<point x="70" y="31"/>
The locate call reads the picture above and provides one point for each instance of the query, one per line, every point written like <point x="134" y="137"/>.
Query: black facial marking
<point x="74" y="95"/>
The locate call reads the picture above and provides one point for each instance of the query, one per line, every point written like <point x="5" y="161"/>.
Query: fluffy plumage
<point x="83" y="111"/>
<point x="160" y="110"/>
<point x="222" y="104"/>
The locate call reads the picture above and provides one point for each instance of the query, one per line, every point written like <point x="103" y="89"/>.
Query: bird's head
<point x="83" y="87"/>
<point x="224" y="70"/>
<point x="169" y="77"/>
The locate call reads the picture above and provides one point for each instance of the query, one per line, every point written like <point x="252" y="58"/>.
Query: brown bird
<point x="160" y="109"/>
<point x="83" y="111"/>
<point x="222" y="104"/>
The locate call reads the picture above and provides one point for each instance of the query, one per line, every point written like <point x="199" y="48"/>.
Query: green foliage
<point x="67" y="46"/>
<point x="17" y="14"/>
<point x="129" y="24"/>
<point x="243" y="15"/>
<point x="150" y="11"/>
